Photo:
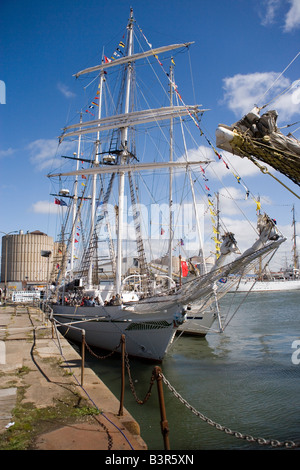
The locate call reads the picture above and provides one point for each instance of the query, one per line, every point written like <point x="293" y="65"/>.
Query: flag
<point x="57" y="201"/>
<point x="162" y="231"/>
<point x="83" y="176"/>
<point x="121" y="44"/>
<point x="184" y="268"/>
<point x="63" y="203"/>
<point x="181" y="242"/>
<point x="76" y="241"/>
<point x="215" y="230"/>
<point x="172" y="60"/>
<point x="106" y="60"/>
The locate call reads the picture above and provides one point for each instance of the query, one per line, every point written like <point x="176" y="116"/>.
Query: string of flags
<point x="119" y="53"/>
<point x="220" y="157"/>
<point x="116" y="54"/>
<point x="93" y="103"/>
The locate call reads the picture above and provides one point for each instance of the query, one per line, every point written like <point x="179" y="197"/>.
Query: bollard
<point x="122" y="375"/>
<point x="82" y="355"/>
<point x="164" y="422"/>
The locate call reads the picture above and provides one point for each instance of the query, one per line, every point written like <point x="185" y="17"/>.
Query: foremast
<point x="124" y="156"/>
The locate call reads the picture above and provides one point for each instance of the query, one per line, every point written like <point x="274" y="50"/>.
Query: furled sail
<point x="258" y="138"/>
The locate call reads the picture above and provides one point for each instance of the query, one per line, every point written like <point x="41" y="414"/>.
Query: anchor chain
<point x="247" y="437"/>
<point x="238" y="435"/>
<point x="101" y="357"/>
<point x="152" y="380"/>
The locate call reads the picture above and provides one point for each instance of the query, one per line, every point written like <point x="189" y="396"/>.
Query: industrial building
<point x="28" y="258"/>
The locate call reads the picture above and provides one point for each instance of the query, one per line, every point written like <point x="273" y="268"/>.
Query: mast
<point x="170" y="267"/>
<point x="74" y="208"/>
<point x="201" y="249"/>
<point x="295" y="254"/>
<point x="94" y="183"/>
<point x="124" y="143"/>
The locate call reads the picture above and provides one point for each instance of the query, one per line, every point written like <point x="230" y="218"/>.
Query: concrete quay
<point x="38" y="382"/>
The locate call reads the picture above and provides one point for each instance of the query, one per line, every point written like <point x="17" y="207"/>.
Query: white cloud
<point x="46" y="207"/>
<point x="233" y="201"/>
<point x="44" y="153"/>
<point x="292" y="19"/>
<point x="242" y="92"/>
<point x="271" y="7"/>
<point x="202" y="153"/>
<point x="65" y="90"/>
<point x="6" y="153"/>
<point x="274" y="11"/>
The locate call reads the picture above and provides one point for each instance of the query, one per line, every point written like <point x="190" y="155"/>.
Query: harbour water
<point x="246" y="379"/>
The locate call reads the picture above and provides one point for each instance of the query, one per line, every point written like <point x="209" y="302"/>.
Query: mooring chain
<point x="101" y="357"/>
<point x="239" y="435"/>
<point x="148" y="394"/>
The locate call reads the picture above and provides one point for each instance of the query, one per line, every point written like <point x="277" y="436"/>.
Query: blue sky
<point x="240" y="50"/>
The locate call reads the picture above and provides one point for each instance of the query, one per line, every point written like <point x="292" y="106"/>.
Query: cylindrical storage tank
<point x="21" y="257"/>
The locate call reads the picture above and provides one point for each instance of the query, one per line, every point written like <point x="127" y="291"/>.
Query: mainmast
<point x="295" y="254"/>
<point x="124" y="156"/>
<point x="170" y="267"/>
<point x="94" y="184"/>
<point x="74" y="207"/>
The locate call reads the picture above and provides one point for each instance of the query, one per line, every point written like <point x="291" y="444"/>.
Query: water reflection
<point x="242" y="378"/>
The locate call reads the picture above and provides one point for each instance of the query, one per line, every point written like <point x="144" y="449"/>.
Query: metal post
<point x="82" y="355"/>
<point x="164" y="422"/>
<point x="122" y="376"/>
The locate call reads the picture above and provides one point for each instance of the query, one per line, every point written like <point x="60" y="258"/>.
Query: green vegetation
<point x="31" y="422"/>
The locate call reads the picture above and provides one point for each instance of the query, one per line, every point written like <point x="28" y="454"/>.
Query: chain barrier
<point x="154" y="377"/>
<point x="148" y="394"/>
<point x="219" y="427"/>
<point x="101" y="357"/>
<point x="247" y="437"/>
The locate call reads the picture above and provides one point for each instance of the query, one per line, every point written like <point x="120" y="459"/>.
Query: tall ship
<point x="284" y="280"/>
<point x="119" y="146"/>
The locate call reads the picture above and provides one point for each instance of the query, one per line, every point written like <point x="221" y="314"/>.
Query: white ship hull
<point x="266" y="286"/>
<point x="146" y="335"/>
<point x="197" y="323"/>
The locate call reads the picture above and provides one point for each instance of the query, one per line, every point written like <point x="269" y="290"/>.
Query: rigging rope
<point x="280" y="75"/>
